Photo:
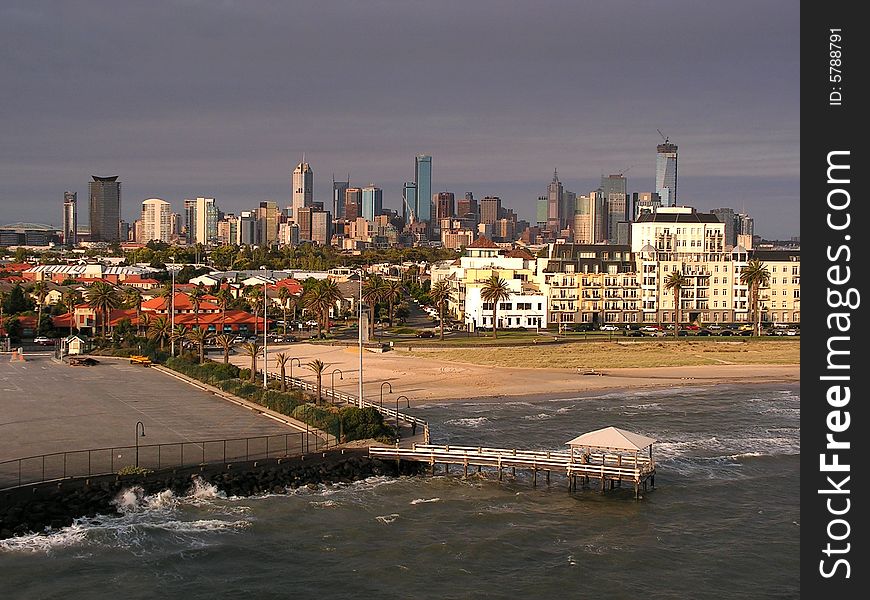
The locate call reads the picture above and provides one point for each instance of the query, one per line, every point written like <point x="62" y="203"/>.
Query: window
<point x="797" y="294"/>
<point x="487" y="306"/>
<point x="505" y="306"/>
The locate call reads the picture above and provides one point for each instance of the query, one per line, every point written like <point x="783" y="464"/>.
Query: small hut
<point x="619" y="454"/>
<point x="74" y="345"/>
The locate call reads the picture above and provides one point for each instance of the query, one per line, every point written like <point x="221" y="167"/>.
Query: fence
<point x="106" y="461"/>
<point x="389" y="413"/>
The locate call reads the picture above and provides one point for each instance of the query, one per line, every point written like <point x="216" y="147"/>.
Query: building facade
<point x="70" y="219"/>
<point x="156" y="221"/>
<point x="105" y="209"/>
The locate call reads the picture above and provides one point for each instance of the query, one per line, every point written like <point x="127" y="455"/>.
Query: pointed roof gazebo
<point x="612" y="439"/>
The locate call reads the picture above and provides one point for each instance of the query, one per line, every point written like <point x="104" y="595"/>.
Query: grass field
<point x="629" y="353"/>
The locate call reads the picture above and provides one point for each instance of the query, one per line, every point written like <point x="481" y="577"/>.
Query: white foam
<point x="468" y="422"/>
<point x="42" y="543"/>
<point x="425" y="501"/>
<point x="199" y="525"/>
<point x="538" y="417"/>
<point x="387" y="519"/>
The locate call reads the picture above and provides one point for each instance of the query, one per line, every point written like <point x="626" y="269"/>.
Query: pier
<point x="609" y="456"/>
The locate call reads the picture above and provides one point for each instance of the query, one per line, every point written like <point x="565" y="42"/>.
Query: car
<point x="682" y="332"/>
<point x="792" y="332"/>
<point x="691" y="327"/>
<point x="714" y="327"/>
<point x="425" y="334"/>
<point x="609" y="328"/>
<point x="44" y="341"/>
<point x="727" y="332"/>
<point x="705" y="332"/>
<point x="655" y="333"/>
<point x="746" y="327"/>
<point x="239" y="339"/>
<point x="634" y="333"/>
<point x="650" y="328"/>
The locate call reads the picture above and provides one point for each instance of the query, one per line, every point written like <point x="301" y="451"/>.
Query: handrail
<point x="91" y="462"/>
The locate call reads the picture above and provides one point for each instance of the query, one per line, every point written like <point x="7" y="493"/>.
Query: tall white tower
<point x="303" y="187"/>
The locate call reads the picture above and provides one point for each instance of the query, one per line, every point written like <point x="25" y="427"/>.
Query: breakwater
<point x="53" y="505"/>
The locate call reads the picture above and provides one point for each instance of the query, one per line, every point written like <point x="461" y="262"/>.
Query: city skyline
<point x="485" y="107"/>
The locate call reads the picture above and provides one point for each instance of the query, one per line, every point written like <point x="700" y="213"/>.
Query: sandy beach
<point x="425" y="377"/>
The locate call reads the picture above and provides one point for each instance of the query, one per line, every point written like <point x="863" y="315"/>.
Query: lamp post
<point x="340" y="376"/>
<point x="382" y="391"/>
<point x="359" y="327"/>
<point x="265" y="340"/>
<point x="139" y="426"/>
<point x="398" y="427"/>
<point x="172" y="303"/>
<point x="298" y="363"/>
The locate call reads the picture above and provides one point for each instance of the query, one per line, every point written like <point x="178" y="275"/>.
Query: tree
<point x="394" y="291"/>
<point x="159" y="330"/>
<point x="199" y="337"/>
<point x="440" y="294"/>
<point x="69" y="299"/>
<point x="281" y="359"/>
<point x="252" y="349"/>
<point x="39" y="290"/>
<point x="372" y="293"/>
<point x="755" y="276"/>
<point x="103" y="298"/>
<point x="17" y="301"/>
<point x="675" y="282"/>
<point x="224" y="297"/>
<point x="178" y="334"/>
<point x="2" y="302"/>
<point x="283" y="295"/>
<point x="495" y="290"/>
<point x="318" y="366"/>
<point x="225" y="342"/>
<point x="133" y="299"/>
<point x="196" y="295"/>
<point x="254" y="294"/>
<point x="144" y="323"/>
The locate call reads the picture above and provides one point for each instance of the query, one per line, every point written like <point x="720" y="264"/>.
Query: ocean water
<point x="723" y="521"/>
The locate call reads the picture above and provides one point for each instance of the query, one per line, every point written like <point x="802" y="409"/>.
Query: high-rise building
<point x="321" y="227"/>
<point x="541" y="211"/>
<point x="590" y="219"/>
<point x="468" y="206"/>
<point x="409" y="202"/>
<point x="425" y="209"/>
<point x="228" y="230"/>
<point x="247" y="228"/>
<point x="190" y="221"/>
<point x="729" y="217"/>
<point x="176" y="225"/>
<point x="303" y="220"/>
<point x="745" y="225"/>
<point x="444" y="205"/>
<point x="338" y="196"/>
<point x="645" y="203"/>
<point x="372" y="202"/>
<point x="205" y="218"/>
<point x="352" y="203"/>
<point x="303" y="187"/>
<point x="569" y="205"/>
<point x="156" y="221"/>
<point x="666" y="173"/>
<point x="555" y="219"/>
<point x="70" y="220"/>
<point x="490" y="210"/>
<point x="267" y="223"/>
<point x="615" y="191"/>
<point x="105" y="209"/>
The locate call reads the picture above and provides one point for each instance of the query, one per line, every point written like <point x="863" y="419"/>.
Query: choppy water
<point x="722" y="523"/>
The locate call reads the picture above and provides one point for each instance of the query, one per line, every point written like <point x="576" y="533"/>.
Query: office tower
<point x="646" y="203"/>
<point x="201" y="217"/>
<point x="247" y="228"/>
<point x="190" y="220"/>
<point x="352" y="203"/>
<point x="490" y="210"/>
<point x="569" y="205"/>
<point x="70" y="220"/>
<point x="443" y="205"/>
<point x="409" y="202"/>
<point x="105" y="209"/>
<point x="125" y="231"/>
<point x="732" y="224"/>
<point x="338" y="196"/>
<point x="745" y="225"/>
<point x="614" y="189"/>
<point x="541" y="210"/>
<point x="303" y="220"/>
<point x="156" y="221"/>
<point x="267" y="223"/>
<point x="372" y="202"/>
<point x="303" y="187"/>
<point x="176" y="224"/>
<point x="555" y="220"/>
<point x="590" y="219"/>
<point x="467" y="206"/>
<point x="321" y="227"/>
<point x="138" y="232"/>
<point x="424" y="210"/>
<point x="228" y="230"/>
<point x="666" y="173"/>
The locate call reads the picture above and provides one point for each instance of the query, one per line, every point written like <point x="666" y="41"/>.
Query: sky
<point x="222" y="98"/>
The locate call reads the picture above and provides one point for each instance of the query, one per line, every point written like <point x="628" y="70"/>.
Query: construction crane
<point x="663" y="135"/>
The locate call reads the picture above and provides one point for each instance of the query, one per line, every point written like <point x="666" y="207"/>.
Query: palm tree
<point x="199" y="337"/>
<point x="252" y="349"/>
<point x="394" y="291"/>
<point x="283" y="295"/>
<point x="254" y="293"/>
<point x="224" y="297"/>
<point x="675" y="282"/>
<point x="330" y="295"/>
<point x="144" y="322"/>
<point x="3" y="301"/>
<point x="225" y="342"/>
<point x="103" y="298"/>
<point x="178" y="334"/>
<point x="281" y="359"/>
<point x="133" y="298"/>
<point x="69" y="299"/>
<point x="440" y="294"/>
<point x="318" y="366"/>
<point x="166" y="292"/>
<point x="756" y="276"/>
<point x="160" y="329"/>
<point x="196" y="296"/>
<point x="495" y="290"/>
<point x="372" y="293"/>
<point x="40" y="291"/>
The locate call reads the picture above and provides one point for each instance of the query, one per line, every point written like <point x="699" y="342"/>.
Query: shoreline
<point x="427" y="379"/>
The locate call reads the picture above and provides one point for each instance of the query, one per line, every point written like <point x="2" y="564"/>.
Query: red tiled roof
<point x="520" y="253"/>
<point x="291" y="284"/>
<point x="182" y="302"/>
<point x="15" y="267"/>
<point x="482" y="242"/>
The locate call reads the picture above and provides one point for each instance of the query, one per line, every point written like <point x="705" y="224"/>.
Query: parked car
<point x="650" y="328"/>
<point x="609" y="328"/>
<point x="705" y="332"/>
<point x="425" y="334"/>
<point x="691" y="327"/>
<point x="714" y="327"/>
<point x="44" y="341"/>
<point x="239" y="339"/>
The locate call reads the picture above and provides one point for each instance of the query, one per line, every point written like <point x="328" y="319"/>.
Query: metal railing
<point x="389" y="413"/>
<point x="106" y="461"/>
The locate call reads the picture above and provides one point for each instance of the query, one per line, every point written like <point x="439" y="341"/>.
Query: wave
<point x="424" y="501"/>
<point x="538" y="417"/>
<point x="387" y="519"/>
<point x="473" y="422"/>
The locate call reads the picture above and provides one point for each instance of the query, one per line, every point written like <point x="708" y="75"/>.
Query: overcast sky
<point x="221" y="98"/>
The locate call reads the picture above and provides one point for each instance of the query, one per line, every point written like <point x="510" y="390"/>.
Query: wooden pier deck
<point x="608" y="468"/>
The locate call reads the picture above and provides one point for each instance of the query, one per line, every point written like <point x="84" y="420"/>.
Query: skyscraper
<point x="666" y="173"/>
<point x="190" y="221"/>
<point x="352" y="203"/>
<point x="555" y="220"/>
<point x="105" y="208"/>
<point x="70" y="219"/>
<point x="732" y="224"/>
<point x="541" y="210"/>
<point x="200" y="220"/>
<point x="372" y="202"/>
<point x="267" y="222"/>
<point x="424" y="209"/>
<point x="615" y="191"/>
<point x="443" y="205"/>
<point x="156" y="220"/>
<point x="338" y="196"/>
<point x="303" y="187"/>
<point x="490" y="210"/>
<point x="321" y="227"/>
<point x="467" y="206"/>
<point x="409" y="202"/>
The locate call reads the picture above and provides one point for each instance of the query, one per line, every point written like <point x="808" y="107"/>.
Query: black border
<point x="826" y="128"/>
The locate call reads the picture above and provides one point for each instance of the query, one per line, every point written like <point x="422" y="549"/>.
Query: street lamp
<point x="172" y="302"/>
<point x="359" y="327"/>
<point x="382" y="391"/>
<point x="139" y="426"/>
<point x="265" y="339"/>
<point x="299" y="364"/>
<point x="398" y="428"/>
<point x="340" y="376"/>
